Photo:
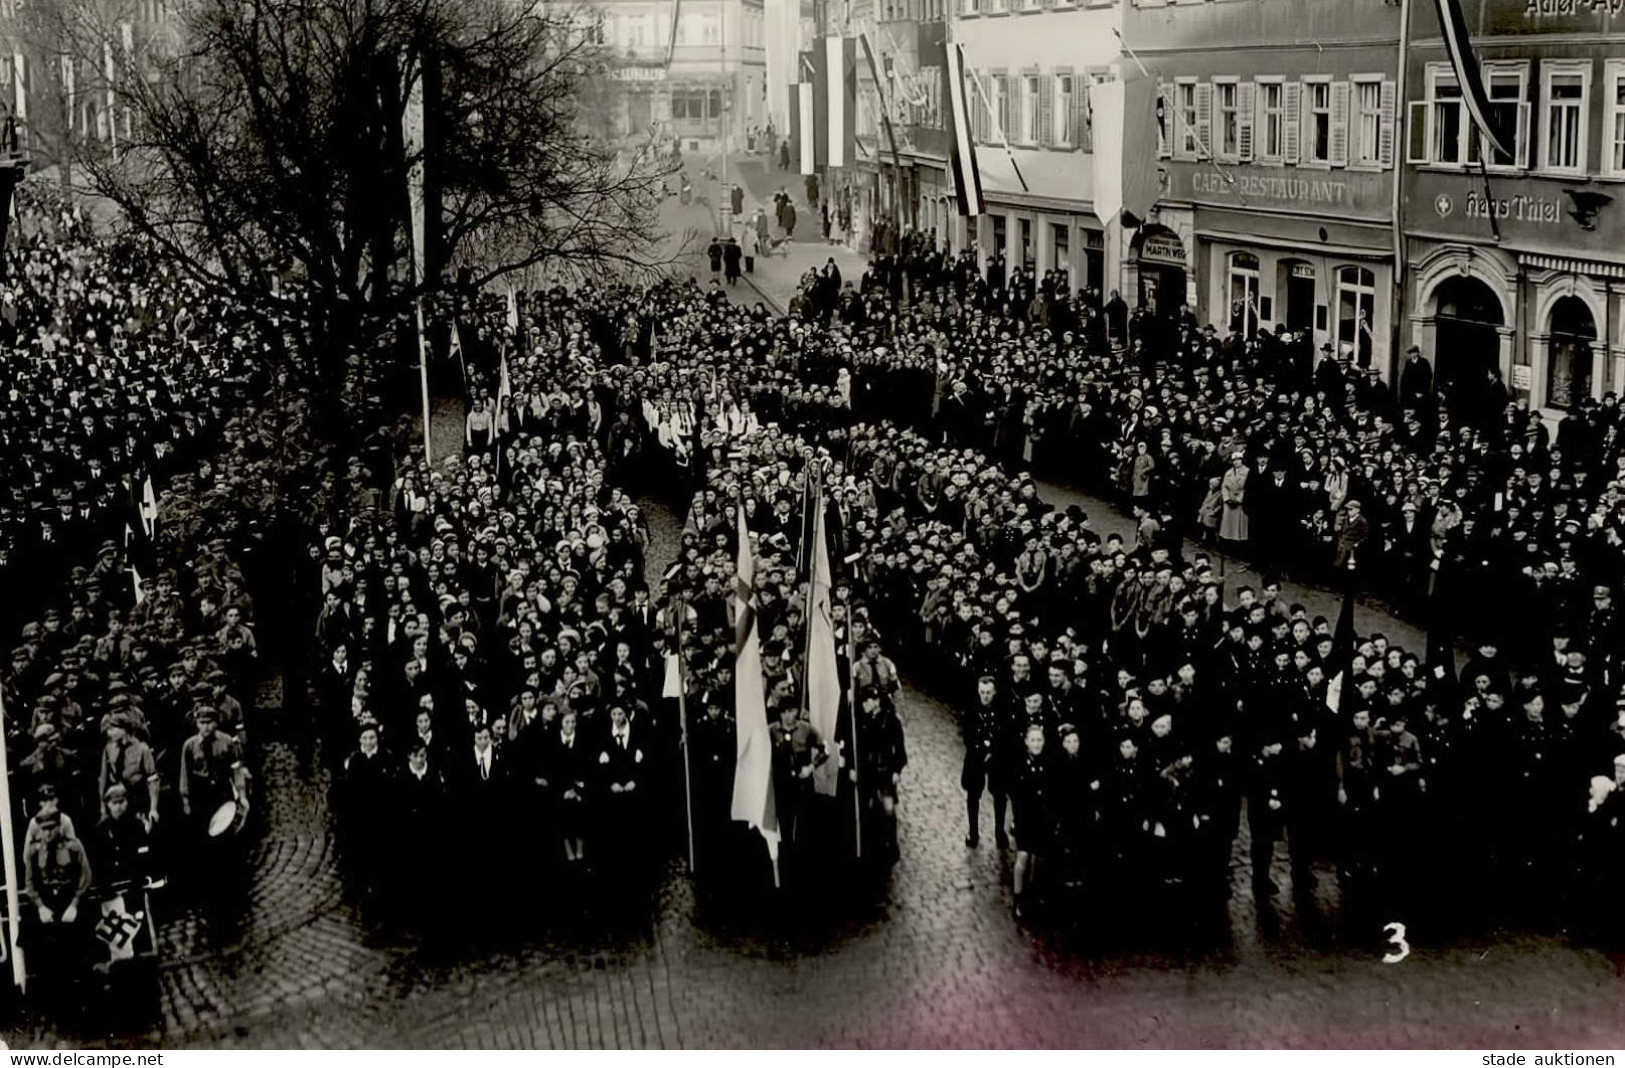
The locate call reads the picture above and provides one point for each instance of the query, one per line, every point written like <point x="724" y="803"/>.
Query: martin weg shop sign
<point x="1583" y="216"/>
<point x="1345" y="193"/>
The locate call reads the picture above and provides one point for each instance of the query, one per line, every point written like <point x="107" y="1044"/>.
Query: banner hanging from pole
<point x="413" y="140"/>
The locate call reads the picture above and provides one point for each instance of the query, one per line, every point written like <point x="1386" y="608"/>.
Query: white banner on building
<point x="412" y="139"/>
<point x="1107" y="102"/>
<point x="19" y="86"/>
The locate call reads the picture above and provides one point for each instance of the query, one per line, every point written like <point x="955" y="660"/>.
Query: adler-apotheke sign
<point x="1543" y="9"/>
<point x="1487" y="18"/>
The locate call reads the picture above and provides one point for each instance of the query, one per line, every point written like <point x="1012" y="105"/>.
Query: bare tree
<point x="264" y="154"/>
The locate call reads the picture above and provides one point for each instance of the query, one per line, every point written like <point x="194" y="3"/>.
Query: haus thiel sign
<point x="1340" y="191"/>
<point x="1583" y="216"/>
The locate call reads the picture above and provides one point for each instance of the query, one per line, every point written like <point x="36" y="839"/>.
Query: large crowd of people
<point x="146" y="467"/>
<point x="490" y="637"/>
<point x="1165" y="700"/>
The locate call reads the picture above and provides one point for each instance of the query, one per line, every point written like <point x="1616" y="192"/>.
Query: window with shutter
<point x="1339" y="156"/>
<point x="1009" y="116"/>
<point x="1083" y="119"/>
<point x="1204" y="120"/>
<point x="1029" y="90"/>
<point x="1416" y="132"/>
<point x="1385" y="125"/>
<point x="1292" y="121"/>
<point x="985" y="108"/>
<point x="1246" y="101"/>
<point x="973" y="109"/>
<point x="1046" y="104"/>
<point x="1165" y="121"/>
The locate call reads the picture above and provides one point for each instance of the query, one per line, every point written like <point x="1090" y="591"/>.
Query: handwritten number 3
<point x="1396" y="938"/>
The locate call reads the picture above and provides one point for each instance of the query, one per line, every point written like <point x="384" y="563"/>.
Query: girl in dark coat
<point x="569" y="768"/>
<point x="1034" y="810"/>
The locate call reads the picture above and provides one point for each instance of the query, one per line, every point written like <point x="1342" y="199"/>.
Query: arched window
<point x="1356" y="312"/>
<point x="1568" y="361"/>
<point x="1244" y="293"/>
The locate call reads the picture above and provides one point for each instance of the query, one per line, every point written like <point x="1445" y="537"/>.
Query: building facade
<point x="1032" y="65"/>
<point x="1517" y="258"/>
<point x="1277" y="132"/>
<point x="714" y="85"/>
<point x="58" y="94"/>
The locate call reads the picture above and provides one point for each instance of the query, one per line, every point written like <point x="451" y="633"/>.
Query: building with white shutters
<point x="1517" y="260"/>
<point x="1278" y="137"/>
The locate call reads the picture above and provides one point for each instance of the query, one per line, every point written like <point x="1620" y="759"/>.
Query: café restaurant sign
<point x="1339" y="191"/>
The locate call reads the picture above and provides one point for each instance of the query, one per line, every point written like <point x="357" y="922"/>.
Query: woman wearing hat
<point x="1233" y="524"/>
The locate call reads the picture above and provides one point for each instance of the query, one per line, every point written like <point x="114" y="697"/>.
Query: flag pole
<point x="812" y="577"/>
<point x="801" y="542"/>
<point x="976" y="80"/>
<point x="8" y="847"/>
<point x="681" y="606"/>
<point x="423" y="375"/>
<point x="852" y="707"/>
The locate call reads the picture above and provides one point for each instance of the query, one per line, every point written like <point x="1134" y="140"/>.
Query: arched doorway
<point x="1573" y="331"/>
<point x="1160" y="257"/>
<point x="1467" y="338"/>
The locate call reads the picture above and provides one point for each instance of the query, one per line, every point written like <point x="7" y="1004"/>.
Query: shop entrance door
<point x="1466" y="337"/>
<point x="1296" y="284"/>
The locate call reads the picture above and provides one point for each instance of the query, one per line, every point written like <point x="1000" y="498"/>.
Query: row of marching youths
<point x="1135" y="648"/>
<point x="143" y="468"/>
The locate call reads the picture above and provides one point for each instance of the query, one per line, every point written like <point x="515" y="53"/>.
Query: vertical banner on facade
<point x="1142" y="181"/>
<point x="961" y="148"/>
<point x="806" y="124"/>
<point x="19" y="86"/>
<point x="127" y="40"/>
<point x="412" y="141"/>
<point x="841" y="85"/>
<point x="820" y="95"/>
<point x="1125" y="143"/>
<point x="69" y="91"/>
<point x="1453" y="24"/>
<point x="111" y="74"/>
<point x="1106" y="103"/>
